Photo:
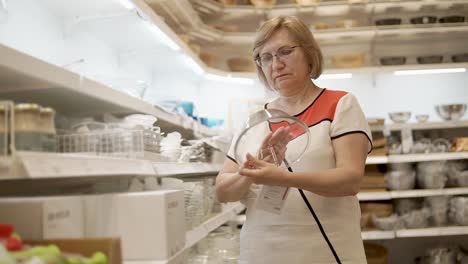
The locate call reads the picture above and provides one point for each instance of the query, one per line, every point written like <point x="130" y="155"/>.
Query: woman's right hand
<point x="275" y="142"/>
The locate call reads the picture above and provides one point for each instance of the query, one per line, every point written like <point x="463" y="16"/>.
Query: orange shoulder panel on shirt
<point x="323" y="108"/>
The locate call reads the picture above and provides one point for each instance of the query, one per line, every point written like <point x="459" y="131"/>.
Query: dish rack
<point x="117" y="142"/>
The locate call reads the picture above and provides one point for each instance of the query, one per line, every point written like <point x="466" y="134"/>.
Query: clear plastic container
<point x="439" y="217"/>
<point x="441" y="255"/>
<point x="458" y="211"/>
<point x="462" y="178"/>
<point x="417" y="218"/>
<point x="406" y="205"/>
<point x="400" y="180"/>
<point x="392" y="222"/>
<point x="432" y="175"/>
<point x="454" y="167"/>
<point x="422" y="145"/>
<point x="437" y="202"/>
<point x="439" y="209"/>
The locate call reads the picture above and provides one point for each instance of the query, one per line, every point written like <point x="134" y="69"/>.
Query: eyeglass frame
<point x="258" y="61"/>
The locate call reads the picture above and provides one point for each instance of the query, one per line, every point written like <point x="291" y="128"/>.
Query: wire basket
<point x="121" y="143"/>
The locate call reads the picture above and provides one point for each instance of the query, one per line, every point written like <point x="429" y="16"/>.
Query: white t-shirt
<point x="294" y="236"/>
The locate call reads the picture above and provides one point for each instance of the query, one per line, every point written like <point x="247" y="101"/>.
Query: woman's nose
<point x="277" y="63"/>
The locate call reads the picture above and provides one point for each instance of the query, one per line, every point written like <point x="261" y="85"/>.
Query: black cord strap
<point x="318" y="223"/>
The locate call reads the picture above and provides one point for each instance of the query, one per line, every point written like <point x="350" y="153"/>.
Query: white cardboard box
<point x="151" y="224"/>
<point x="36" y="218"/>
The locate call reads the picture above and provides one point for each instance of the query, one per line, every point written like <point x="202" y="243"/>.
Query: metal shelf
<point x="416" y="157"/>
<point x="330" y="8"/>
<point x="433" y="231"/>
<point x="362" y="33"/>
<point x="39" y="165"/>
<point x="186" y="169"/>
<point x="427" y="125"/>
<point x="388" y="195"/>
<point x="374" y="196"/>
<point x="420" y="232"/>
<point x="36" y="165"/>
<point x="377" y="235"/>
<point x="211" y="35"/>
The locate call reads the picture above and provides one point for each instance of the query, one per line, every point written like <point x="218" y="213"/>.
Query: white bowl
<point x="400" y="117"/>
<point x="422" y="118"/>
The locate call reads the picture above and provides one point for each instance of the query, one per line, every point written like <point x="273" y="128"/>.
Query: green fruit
<point x="74" y="260"/>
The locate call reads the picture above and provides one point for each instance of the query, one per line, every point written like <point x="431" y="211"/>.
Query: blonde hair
<point x="302" y="35"/>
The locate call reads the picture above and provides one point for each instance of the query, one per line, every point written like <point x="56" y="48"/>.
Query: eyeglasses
<point x="266" y="59"/>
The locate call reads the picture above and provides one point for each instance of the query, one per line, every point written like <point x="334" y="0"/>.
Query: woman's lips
<point x="280" y="76"/>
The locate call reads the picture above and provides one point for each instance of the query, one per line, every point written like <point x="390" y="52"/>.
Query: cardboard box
<point x="37" y="218"/>
<point x="86" y="247"/>
<point x="151" y="225"/>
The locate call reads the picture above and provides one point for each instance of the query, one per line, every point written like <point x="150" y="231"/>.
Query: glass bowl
<point x="422" y="118"/>
<point x="260" y="124"/>
<point x="400" y="117"/>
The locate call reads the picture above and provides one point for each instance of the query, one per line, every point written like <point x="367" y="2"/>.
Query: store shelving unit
<point x="186" y="17"/>
<point x="230" y="211"/>
<point x="416" y="157"/>
<point x="358" y="33"/>
<point x="377" y="235"/>
<point x="404" y="233"/>
<point x="326" y="7"/>
<point x="38" y="165"/>
<point x="24" y="78"/>
<point x="420" y="232"/>
<point x="433" y="231"/>
<point x="388" y="195"/>
<point x="176" y="169"/>
<point x="424" y="125"/>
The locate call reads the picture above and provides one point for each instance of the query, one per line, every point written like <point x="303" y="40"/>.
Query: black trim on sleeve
<point x="231" y="158"/>
<point x="353" y="132"/>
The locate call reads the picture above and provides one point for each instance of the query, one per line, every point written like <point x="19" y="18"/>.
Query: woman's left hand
<point x="262" y="172"/>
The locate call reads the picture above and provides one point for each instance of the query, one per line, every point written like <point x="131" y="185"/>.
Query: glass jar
<point x="47" y="129"/>
<point x="3" y="131"/>
<point x="27" y="131"/>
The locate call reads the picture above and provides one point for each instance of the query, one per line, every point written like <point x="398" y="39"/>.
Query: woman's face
<point x="289" y="70"/>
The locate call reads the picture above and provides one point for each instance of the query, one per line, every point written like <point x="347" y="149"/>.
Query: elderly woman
<point x="329" y="173"/>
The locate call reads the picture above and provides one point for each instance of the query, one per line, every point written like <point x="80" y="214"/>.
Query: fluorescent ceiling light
<point x="128" y="4"/>
<point x="429" y="71"/>
<point x="214" y="77"/>
<point x="335" y="76"/>
<point x="228" y="78"/>
<point x="241" y="80"/>
<point x="160" y="35"/>
<point x="194" y="65"/>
